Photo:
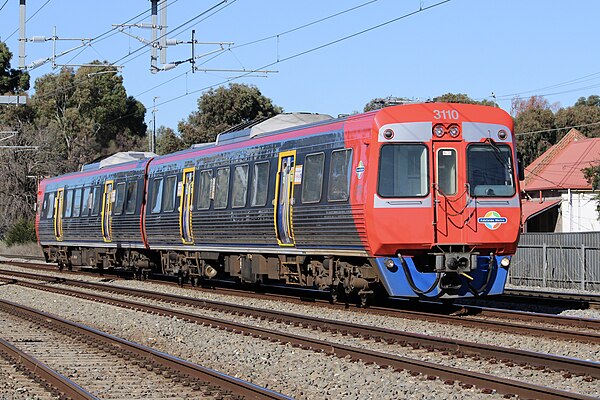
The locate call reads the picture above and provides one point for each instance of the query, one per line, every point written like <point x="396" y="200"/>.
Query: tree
<point x="222" y="108"/>
<point x="583" y="112"/>
<point x="534" y="127"/>
<point x="90" y="112"/>
<point x="167" y="141"/>
<point x="592" y="174"/>
<point x="11" y="80"/>
<point x="461" y="98"/>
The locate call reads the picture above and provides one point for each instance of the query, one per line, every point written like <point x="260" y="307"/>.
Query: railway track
<point x="127" y="369"/>
<point x="568" y="367"/>
<point x="559" y="300"/>
<point x="536" y="324"/>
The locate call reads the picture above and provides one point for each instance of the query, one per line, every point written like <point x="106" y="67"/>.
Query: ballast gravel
<point x="298" y="373"/>
<point x="331" y="377"/>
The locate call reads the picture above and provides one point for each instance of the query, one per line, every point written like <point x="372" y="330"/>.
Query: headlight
<point x="439" y="130"/>
<point x="505" y="262"/>
<point x="502" y="134"/>
<point x="454" y="131"/>
<point x="389" y="263"/>
<point x="388" y="134"/>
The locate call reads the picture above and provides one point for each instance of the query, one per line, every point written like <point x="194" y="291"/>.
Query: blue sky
<point x="508" y="47"/>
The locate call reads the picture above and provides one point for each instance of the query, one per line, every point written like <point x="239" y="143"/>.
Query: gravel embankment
<point x="298" y="373"/>
<point x="331" y="375"/>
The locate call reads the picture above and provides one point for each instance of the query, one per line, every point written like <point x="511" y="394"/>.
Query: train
<point x="414" y="201"/>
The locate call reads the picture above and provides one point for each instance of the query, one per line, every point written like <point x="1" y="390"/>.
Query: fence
<point x="557" y="260"/>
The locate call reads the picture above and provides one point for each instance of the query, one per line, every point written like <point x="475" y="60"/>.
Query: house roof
<point x="531" y="208"/>
<point x="560" y="166"/>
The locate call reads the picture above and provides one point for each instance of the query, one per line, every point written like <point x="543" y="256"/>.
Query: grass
<point x="28" y="249"/>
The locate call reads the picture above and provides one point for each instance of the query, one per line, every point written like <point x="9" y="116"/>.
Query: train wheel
<point x="334" y="291"/>
<point x="365" y="299"/>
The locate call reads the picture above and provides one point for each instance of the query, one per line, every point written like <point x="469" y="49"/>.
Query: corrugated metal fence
<point x="558" y="260"/>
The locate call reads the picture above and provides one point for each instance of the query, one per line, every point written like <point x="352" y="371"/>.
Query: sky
<point x="332" y="64"/>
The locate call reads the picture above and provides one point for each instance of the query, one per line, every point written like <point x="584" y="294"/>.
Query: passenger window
<point x="69" y="204"/>
<point x="312" y="178"/>
<point x="131" y="197"/>
<point x="204" y="190"/>
<point x="403" y="171"/>
<point x="260" y="183"/>
<point x="50" y="206"/>
<point x="96" y="199"/>
<point x="157" y="187"/>
<point x="120" y="198"/>
<point x="77" y="203"/>
<point x="86" y="204"/>
<point x="222" y="188"/>
<point x="339" y="175"/>
<point x="240" y="186"/>
<point x="170" y="193"/>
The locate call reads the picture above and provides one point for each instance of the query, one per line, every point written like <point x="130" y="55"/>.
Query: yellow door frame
<point x="290" y="195"/>
<point x="107" y="211"/>
<point x="185" y="202"/>
<point x="59" y="202"/>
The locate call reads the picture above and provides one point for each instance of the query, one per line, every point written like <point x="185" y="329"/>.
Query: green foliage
<point x="89" y="113"/>
<point x="222" y="108"/>
<point x="461" y="98"/>
<point x="21" y="232"/>
<point x="11" y="80"/>
<point x="167" y="141"/>
<point x="584" y="112"/>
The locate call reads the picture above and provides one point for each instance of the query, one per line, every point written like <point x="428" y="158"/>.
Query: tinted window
<point x="403" y="171"/>
<point x="312" y="178"/>
<point x="120" y="198"/>
<point x="157" y="186"/>
<point x="170" y="193"/>
<point x="50" y="206"/>
<point x="490" y="170"/>
<point x="446" y="175"/>
<point x="204" y="190"/>
<point x="260" y="183"/>
<point x="86" y="202"/>
<point x="77" y="203"/>
<point x="68" y="203"/>
<point x="222" y="188"/>
<point x="131" y="197"/>
<point x="339" y="175"/>
<point x="96" y="198"/>
<point x="240" y="186"/>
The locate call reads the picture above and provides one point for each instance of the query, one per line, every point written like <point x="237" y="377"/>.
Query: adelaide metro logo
<point x="492" y="220"/>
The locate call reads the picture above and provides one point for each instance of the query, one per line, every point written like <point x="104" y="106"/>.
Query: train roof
<point x="118" y="158"/>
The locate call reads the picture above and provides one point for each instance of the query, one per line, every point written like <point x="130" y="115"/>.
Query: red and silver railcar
<point x="420" y="200"/>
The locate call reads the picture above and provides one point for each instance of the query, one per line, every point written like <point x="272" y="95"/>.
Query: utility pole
<point x="153" y="139"/>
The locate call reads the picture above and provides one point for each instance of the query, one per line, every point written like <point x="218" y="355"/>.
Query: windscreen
<point x="490" y="170"/>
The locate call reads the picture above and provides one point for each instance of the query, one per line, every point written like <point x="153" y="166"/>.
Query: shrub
<point x="21" y="232"/>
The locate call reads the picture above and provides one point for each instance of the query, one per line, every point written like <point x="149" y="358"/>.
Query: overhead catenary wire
<point x="313" y="49"/>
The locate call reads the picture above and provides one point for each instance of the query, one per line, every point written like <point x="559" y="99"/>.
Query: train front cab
<point x="446" y="211"/>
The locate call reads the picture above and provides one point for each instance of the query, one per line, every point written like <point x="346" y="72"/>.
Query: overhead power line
<point x="557" y="129"/>
<point x="305" y="52"/>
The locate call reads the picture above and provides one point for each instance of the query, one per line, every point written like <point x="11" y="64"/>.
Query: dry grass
<point x="29" y="249"/>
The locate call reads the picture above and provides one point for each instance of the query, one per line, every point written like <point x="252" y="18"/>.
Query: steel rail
<point x="483" y="381"/>
<point x="589" y="337"/>
<point x="43" y="374"/>
<point x="228" y="383"/>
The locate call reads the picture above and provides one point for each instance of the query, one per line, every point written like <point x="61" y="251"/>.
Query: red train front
<point x="445" y="212"/>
